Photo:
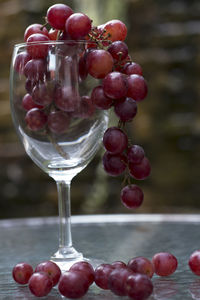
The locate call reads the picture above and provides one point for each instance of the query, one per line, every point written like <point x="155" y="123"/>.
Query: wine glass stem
<point x="64" y="206"/>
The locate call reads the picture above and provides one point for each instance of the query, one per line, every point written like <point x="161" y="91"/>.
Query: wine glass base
<point x="66" y="257"/>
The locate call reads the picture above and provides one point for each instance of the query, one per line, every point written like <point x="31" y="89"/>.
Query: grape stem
<point x="121" y="124"/>
<point x="99" y="38"/>
<point x="126" y="180"/>
<point x="58" y="35"/>
<point x="58" y="148"/>
<point x="119" y="64"/>
<point x="45" y="24"/>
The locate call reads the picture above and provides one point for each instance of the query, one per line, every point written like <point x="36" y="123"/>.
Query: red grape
<point x="140" y="171"/>
<point x="35" y="28"/>
<point x="115" y="140"/>
<point x="164" y="263"/>
<point x="86" y="108"/>
<point x="132" y="196"/>
<point x="194" y="262"/>
<point x="73" y="284"/>
<point x="135" y="154"/>
<point x="58" y="122"/>
<point x="28" y="103"/>
<point x="139" y="286"/>
<point x="126" y="109"/>
<point x="37" y="49"/>
<point x="40" y="284"/>
<point x="99" y="63"/>
<point x="22" y="272"/>
<point x="86" y="268"/>
<point x="141" y="265"/>
<point x="117" y="281"/>
<point x="78" y="25"/>
<point x="42" y="93"/>
<point x="35" y="69"/>
<point x="115" y="85"/>
<point x="116" y="30"/>
<point x="99" y="99"/>
<point x="29" y="85"/>
<point x="82" y="68"/>
<point x="132" y="68"/>
<point x="51" y="269"/>
<point x="66" y="98"/>
<point x="57" y="15"/>
<point x="114" y="164"/>
<point x="137" y="87"/>
<point x="35" y="119"/>
<point x="118" y="50"/>
<point x="20" y="61"/>
<point x="102" y="273"/>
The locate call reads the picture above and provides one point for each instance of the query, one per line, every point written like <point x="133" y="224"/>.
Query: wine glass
<point x="56" y="120"/>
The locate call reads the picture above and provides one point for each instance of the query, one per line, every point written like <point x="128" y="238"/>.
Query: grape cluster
<point x="41" y="280"/>
<point x="50" y="106"/>
<point x="132" y="279"/>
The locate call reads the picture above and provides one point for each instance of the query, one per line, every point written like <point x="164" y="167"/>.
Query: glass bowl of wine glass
<point x="56" y="120"/>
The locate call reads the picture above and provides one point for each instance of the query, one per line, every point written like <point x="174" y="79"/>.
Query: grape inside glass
<point x="56" y="121"/>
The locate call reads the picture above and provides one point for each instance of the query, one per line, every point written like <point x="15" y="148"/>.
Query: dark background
<point x="164" y="37"/>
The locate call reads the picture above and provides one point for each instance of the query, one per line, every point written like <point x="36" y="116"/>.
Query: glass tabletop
<point x="107" y="238"/>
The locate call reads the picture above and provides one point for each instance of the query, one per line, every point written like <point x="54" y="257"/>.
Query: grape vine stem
<point x="57" y="147"/>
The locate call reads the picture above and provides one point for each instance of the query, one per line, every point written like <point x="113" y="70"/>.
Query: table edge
<point x="99" y="218"/>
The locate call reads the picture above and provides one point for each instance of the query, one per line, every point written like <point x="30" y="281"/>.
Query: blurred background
<point x="164" y="37"/>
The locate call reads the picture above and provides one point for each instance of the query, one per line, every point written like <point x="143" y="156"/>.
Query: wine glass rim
<point x="56" y="42"/>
